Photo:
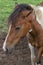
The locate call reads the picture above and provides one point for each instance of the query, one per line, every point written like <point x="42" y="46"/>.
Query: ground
<point x="19" y="56"/>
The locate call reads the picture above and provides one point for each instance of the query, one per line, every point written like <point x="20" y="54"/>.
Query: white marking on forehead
<point x="39" y="15"/>
<point x="4" y="44"/>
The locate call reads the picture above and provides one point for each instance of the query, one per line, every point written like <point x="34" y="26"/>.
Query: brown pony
<point x="22" y="22"/>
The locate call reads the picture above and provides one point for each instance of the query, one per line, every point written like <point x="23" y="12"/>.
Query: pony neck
<point x="37" y="27"/>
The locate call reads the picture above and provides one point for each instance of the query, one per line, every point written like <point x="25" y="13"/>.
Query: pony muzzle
<point x="7" y="50"/>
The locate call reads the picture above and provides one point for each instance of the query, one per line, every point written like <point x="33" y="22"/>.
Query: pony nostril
<point x="6" y="51"/>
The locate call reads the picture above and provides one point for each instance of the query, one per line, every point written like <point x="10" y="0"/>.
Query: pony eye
<point x="17" y="28"/>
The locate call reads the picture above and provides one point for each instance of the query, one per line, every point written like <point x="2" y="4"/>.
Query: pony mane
<point x="17" y="10"/>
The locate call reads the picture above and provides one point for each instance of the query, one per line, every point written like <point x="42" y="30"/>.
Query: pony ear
<point x="16" y="5"/>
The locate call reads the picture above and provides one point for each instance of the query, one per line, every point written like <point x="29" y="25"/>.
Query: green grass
<point x="7" y="6"/>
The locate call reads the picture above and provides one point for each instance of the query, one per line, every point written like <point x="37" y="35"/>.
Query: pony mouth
<point x="8" y="50"/>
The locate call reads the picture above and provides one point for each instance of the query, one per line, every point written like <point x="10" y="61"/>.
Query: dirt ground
<point x="19" y="56"/>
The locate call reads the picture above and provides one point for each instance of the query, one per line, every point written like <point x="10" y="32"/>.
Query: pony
<point x="22" y="22"/>
<point x="39" y="12"/>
